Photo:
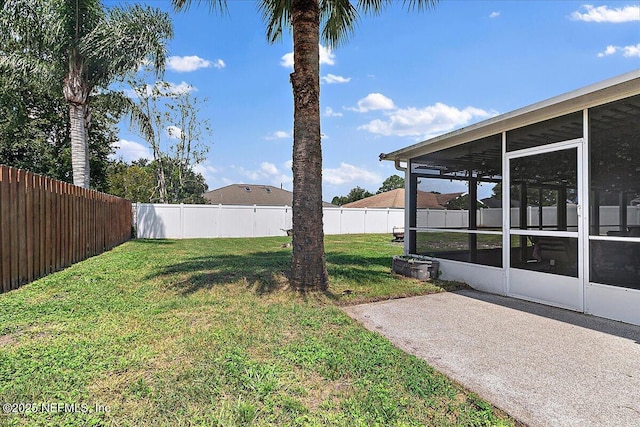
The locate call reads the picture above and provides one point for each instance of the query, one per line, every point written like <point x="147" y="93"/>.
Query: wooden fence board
<point x="11" y="231"/>
<point x="28" y="229"/>
<point x="5" y="242"/>
<point x="46" y="225"/>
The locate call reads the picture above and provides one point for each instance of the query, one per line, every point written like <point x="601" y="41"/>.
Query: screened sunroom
<point x="559" y="222"/>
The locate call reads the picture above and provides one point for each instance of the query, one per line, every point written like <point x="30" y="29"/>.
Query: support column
<point x="623" y="212"/>
<point x="473" y="218"/>
<point x="595" y="213"/>
<point x="413" y="214"/>
<point x="540" y="210"/>
<point x="561" y="204"/>
<point x="524" y="221"/>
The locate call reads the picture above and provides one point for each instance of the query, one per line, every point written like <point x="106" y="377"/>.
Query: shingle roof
<point x="251" y="194"/>
<point x="395" y="199"/>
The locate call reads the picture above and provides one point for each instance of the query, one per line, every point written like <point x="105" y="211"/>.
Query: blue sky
<point x="402" y="77"/>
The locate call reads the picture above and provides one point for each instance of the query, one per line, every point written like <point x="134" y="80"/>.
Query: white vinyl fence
<point x="158" y="221"/>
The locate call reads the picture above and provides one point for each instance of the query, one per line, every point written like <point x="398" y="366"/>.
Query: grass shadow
<point x="261" y="271"/>
<point x="155" y="241"/>
<point x="354" y="277"/>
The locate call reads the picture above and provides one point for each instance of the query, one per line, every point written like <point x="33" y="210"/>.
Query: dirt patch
<point x="7" y="340"/>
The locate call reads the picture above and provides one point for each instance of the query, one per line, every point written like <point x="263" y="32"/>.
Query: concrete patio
<point x="544" y="366"/>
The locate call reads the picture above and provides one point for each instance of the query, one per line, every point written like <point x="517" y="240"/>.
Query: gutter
<point x="384" y="156"/>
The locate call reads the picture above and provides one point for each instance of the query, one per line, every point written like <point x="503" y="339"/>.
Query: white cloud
<point x="347" y="173"/>
<point x="209" y="172"/>
<point x="425" y="122"/>
<point x="186" y="64"/>
<point x="328" y="112"/>
<point x="287" y="60"/>
<point x="130" y="151"/>
<point x="267" y="173"/>
<point x="627" y="51"/>
<point x="604" y="14"/>
<point x="174" y="132"/>
<point x="333" y="79"/>
<point x="268" y="168"/>
<point x="279" y="134"/>
<point x="610" y="50"/>
<point x="374" y="101"/>
<point x="288" y="164"/>
<point x="631" y="51"/>
<point x="494" y="14"/>
<point x="326" y="57"/>
<point x="173" y="89"/>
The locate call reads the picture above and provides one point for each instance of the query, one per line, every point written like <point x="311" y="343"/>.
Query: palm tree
<point x="81" y="46"/>
<point x="304" y="18"/>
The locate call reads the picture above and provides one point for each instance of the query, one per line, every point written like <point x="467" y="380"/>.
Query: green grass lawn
<point x="204" y="333"/>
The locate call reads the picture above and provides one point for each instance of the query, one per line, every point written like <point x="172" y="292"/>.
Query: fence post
<point x="182" y="220"/>
<point x="255" y="220"/>
<point x="364" y="219"/>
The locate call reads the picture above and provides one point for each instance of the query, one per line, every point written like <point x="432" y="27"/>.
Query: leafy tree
<point x="34" y="131"/>
<point x="304" y="18"/>
<point x="134" y="182"/>
<point x="137" y="182"/>
<point x="356" y="193"/>
<point x="173" y="116"/>
<point x="391" y="183"/>
<point x="462" y="203"/>
<point x="83" y="48"/>
<point x="184" y="185"/>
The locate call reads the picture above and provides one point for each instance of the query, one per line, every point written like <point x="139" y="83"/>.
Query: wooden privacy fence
<point x="47" y="225"/>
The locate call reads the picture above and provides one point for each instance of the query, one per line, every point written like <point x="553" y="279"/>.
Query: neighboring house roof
<point x="395" y="199"/>
<point x="427" y="200"/>
<point x="251" y="194"/>
<point x="388" y="199"/>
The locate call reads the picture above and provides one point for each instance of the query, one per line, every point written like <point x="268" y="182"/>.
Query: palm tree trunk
<point x="308" y="270"/>
<point x="79" y="145"/>
<point x="76" y="91"/>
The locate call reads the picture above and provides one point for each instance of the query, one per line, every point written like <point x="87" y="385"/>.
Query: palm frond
<point x="277" y="16"/>
<point x="30" y="42"/>
<point x="420" y="5"/>
<point x="78" y="18"/>
<point x="137" y="117"/>
<point x="127" y="37"/>
<point x="373" y="7"/>
<point x="214" y="5"/>
<point x="16" y="66"/>
<point x="339" y="18"/>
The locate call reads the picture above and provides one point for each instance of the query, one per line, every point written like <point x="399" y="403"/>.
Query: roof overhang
<point x="596" y="94"/>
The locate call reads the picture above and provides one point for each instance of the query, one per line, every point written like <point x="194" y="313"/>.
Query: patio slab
<point x="543" y="365"/>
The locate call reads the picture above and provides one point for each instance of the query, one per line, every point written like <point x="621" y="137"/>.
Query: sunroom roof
<point x="599" y="93"/>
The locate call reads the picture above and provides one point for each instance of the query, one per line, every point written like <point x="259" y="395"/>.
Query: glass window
<point x="614" y="145"/>
<point x="459" y="247"/>
<point x="544" y="191"/>
<point x="558" y="129"/>
<point x="547" y="254"/>
<point x="460" y="188"/>
<point x="615" y="263"/>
